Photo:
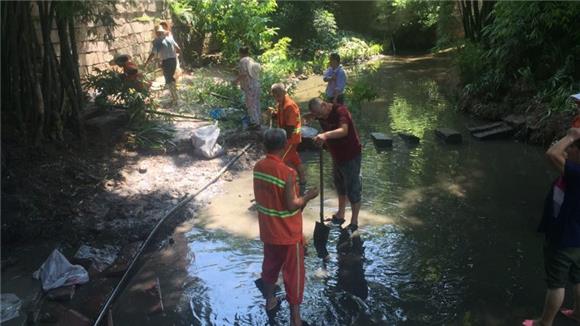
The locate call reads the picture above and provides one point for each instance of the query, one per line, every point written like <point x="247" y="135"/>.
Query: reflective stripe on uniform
<point x="270" y="179"/>
<point x="275" y="213"/>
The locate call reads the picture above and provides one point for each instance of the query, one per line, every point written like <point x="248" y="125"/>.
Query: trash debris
<point x="63" y="293"/>
<point x="57" y="271"/>
<point x="123" y="259"/>
<point x="100" y="258"/>
<point x="204" y="141"/>
<point x="217" y="114"/>
<point x="9" y="306"/>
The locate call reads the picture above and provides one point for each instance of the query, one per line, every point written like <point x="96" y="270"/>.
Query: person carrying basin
<point x="280" y="221"/>
<point x="287" y="115"/>
<point x="335" y="77"/>
<point x="561" y="225"/>
<point x="166" y="49"/>
<point x="341" y="137"/>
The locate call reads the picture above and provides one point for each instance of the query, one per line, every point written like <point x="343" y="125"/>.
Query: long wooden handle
<point x="321" y="186"/>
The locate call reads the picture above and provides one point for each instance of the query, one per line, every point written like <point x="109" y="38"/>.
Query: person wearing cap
<point x="166" y="49"/>
<point x="287" y="115"/>
<point x="249" y="80"/>
<point x="341" y="137"/>
<point x="576" y="120"/>
<point x="130" y="75"/>
<point x="280" y="220"/>
<point x="561" y="226"/>
<point x="335" y="77"/>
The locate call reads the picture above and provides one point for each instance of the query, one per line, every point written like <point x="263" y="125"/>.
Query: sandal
<point x="569" y="313"/>
<point x="336" y="220"/>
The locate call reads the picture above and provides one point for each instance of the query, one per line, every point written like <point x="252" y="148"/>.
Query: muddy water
<point x="448" y="230"/>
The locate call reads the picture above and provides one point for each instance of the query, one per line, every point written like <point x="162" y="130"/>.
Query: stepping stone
<point x="501" y="132"/>
<point x="485" y="127"/>
<point x="449" y="136"/>
<point x="409" y="138"/>
<point x="381" y="140"/>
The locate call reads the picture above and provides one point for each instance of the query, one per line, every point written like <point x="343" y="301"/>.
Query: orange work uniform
<point x="280" y="228"/>
<point x="288" y="115"/>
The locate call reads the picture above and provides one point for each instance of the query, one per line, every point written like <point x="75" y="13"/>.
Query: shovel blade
<point x="321" y="232"/>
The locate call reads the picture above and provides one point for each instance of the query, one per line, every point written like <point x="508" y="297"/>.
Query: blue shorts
<point x="347" y="179"/>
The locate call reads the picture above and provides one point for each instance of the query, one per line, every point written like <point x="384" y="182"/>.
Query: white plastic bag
<point x="9" y="306"/>
<point x="204" y="141"/>
<point x="57" y="271"/>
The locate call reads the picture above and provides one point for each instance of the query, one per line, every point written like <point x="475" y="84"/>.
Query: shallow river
<point x="448" y="230"/>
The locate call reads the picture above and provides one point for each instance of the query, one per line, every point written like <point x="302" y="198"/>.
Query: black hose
<point x="185" y="199"/>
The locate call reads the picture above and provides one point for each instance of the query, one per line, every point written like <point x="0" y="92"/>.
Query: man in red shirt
<point x="280" y="219"/>
<point x="341" y="137"/>
<point x="287" y="115"/>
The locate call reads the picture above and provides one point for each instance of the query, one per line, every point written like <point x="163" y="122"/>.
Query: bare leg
<point x="341" y="206"/>
<point x="355" y="210"/>
<point x="295" y="319"/>
<point x="554" y="300"/>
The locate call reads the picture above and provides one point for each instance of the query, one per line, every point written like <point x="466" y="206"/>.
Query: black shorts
<point x="561" y="265"/>
<point x="347" y="179"/>
<point x="169" y="66"/>
<point x="339" y="99"/>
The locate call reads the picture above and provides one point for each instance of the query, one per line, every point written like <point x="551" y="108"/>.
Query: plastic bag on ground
<point x="101" y="258"/>
<point x="9" y="306"/>
<point x="57" y="271"/>
<point x="204" y="142"/>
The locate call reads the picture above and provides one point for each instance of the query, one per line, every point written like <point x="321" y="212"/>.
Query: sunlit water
<point x="448" y="230"/>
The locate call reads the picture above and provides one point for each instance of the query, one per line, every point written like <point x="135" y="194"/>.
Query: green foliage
<point x="531" y="43"/>
<point x="361" y="88"/>
<point x="112" y="90"/>
<point x="411" y="23"/>
<point x="352" y="48"/>
<point x="232" y="23"/>
<point x="325" y="29"/>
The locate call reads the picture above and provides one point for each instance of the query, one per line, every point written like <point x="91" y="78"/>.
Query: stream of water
<point x="448" y="230"/>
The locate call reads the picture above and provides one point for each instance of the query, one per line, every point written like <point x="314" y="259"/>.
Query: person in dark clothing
<point x="561" y="225"/>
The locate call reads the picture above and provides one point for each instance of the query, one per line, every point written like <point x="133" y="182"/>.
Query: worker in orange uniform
<point x="287" y="114"/>
<point x="280" y="219"/>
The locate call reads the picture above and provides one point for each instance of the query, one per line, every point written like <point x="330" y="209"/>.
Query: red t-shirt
<point x="345" y="148"/>
<point x="576" y="122"/>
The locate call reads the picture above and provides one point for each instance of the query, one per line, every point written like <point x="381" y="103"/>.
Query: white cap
<point x="575" y="97"/>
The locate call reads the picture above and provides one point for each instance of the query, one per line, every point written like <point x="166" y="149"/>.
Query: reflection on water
<point x="448" y="230"/>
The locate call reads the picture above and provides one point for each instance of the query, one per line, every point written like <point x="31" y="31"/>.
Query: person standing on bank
<point x="561" y="225"/>
<point x="280" y="220"/>
<point x="249" y="80"/>
<point x="341" y="137"/>
<point x="166" y="49"/>
<point x="335" y="76"/>
<point x="287" y="115"/>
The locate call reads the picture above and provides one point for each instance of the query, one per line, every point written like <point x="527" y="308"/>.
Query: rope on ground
<point x="185" y="199"/>
<point x="175" y="115"/>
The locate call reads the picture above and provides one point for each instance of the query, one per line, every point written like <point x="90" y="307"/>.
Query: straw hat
<point x="160" y="29"/>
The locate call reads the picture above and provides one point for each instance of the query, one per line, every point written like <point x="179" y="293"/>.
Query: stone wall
<point x="134" y="31"/>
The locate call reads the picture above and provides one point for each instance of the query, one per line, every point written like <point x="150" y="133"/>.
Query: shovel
<point x="321" y="230"/>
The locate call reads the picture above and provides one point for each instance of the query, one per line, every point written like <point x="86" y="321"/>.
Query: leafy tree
<point x="41" y="84"/>
<point x="232" y="23"/>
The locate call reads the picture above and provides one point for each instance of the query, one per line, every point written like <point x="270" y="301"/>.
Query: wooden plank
<point x="501" y="132"/>
<point x="449" y="136"/>
<point x="485" y="127"/>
